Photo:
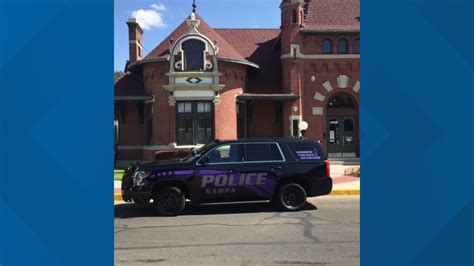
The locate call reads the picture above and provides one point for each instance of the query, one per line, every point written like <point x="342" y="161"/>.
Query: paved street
<point x="326" y="233"/>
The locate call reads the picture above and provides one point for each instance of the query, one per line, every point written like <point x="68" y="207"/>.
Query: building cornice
<point x="322" y="56"/>
<point x="134" y="98"/>
<point x="247" y="63"/>
<point x="165" y="58"/>
<point x="312" y="31"/>
<point x="147" y="61"/>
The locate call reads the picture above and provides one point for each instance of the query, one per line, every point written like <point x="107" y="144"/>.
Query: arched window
<point x="294" y="16"/>
<point x="342" y="46"/>
<point x="356" y="46"/>
<point x="342" y="100"/>
<point x="326" y="46"/>
<point x="193" y="55"/>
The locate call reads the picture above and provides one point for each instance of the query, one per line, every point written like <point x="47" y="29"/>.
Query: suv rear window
<point x="305" y="150"/>
<point x="260" y="152"/>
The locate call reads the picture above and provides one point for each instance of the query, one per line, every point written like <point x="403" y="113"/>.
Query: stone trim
<point x="327" y="85"/>
<point x="356" y="87"/>
<point x="318" y="96"/>
<point x="342" y="81"/>
<point x="321" y="56"/>
<point x="136" y="42"/>
<point x="318" y="111"/>
<point x="193" y="87"/>
<point x="295" y="117"/>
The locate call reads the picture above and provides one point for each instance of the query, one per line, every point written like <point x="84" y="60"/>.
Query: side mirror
<point x="193" y="151"/>
<point x="204" y="160"/>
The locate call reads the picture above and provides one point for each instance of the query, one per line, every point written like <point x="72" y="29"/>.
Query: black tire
<point x="290" y="197"/>
<point x="169" y="201"/>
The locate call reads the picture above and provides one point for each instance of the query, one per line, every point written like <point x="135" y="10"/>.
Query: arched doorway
<point x="342" y="127"/>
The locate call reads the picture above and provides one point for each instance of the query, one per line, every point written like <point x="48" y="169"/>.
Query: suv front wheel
<point x="169" y="201"/>
<point x="291" y="197"/>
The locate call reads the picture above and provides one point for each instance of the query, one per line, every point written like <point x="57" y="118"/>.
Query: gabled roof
<point x="337" y="15"/>
<point x="226" y="50"/>
<point x="246" y="41"/>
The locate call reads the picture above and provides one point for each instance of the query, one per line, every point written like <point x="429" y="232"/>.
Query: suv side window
<point x="227" y="153"/>
<point x="261" y="152"/>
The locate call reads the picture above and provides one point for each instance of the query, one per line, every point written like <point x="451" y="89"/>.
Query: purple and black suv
<point x="283" y="171"/>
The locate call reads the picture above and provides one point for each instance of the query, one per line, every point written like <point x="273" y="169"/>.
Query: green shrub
<point x="118" y="174"/>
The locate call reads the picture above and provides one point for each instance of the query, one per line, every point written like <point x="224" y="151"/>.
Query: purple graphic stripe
<point x="269" y="186"/>
<point x="184" y="172"/>
<point x="212" y="172"/>
<point x="255" y="190"/>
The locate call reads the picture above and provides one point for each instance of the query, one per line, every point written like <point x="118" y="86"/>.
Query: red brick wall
<point x="233" y="76"/>
<point x="325" y="70"/>
<point x="164" y="115"/>
<point x="264" y="121"/>
<point x="129" y="155"/>
<point x="296" y="78"/>
<point x="311" y="44"/>
<point x="164" y="123"/>
<point x="133" y="131"/>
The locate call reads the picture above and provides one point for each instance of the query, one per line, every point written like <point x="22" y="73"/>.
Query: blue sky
<point x="161" y="17"/>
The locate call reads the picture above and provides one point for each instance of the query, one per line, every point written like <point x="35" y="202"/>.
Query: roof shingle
<point x="332" y="15"/>
<point x="129" y="85"/>
<point x="258" y="46"/>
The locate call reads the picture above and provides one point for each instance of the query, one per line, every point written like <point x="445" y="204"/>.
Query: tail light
<point x="328" y="168"/>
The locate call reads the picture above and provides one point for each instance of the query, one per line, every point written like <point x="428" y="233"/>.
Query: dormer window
<point x="193" y="55"/>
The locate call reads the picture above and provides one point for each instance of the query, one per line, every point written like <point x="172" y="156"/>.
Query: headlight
<point x="139" y="177"/>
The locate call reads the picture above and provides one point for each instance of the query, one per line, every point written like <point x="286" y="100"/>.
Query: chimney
<point x="135" y="33"/>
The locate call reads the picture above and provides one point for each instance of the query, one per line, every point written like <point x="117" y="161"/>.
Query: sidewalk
<point x="342" y="184"/>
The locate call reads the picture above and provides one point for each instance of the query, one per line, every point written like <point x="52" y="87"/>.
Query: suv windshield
<point x="197" y="153"/>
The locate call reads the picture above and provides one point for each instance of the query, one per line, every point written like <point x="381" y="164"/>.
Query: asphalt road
<point x="325" y="233"/>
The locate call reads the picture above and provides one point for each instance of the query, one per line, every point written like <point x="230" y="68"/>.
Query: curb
<point x="334" y="192"/>
<point x="118" y="197"/>
<point x="345" y="192"/>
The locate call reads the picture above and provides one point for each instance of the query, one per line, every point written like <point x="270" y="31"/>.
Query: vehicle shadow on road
<point x="131" y="210"/>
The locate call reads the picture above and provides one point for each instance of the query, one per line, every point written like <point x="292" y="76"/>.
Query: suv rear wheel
<point x="291" y="197"/>
<point x="169" y="201"/>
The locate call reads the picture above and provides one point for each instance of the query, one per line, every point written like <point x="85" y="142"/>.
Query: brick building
<point x="203" y="83"/>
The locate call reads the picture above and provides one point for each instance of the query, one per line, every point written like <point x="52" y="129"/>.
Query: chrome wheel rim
<point x="293" y="196"/>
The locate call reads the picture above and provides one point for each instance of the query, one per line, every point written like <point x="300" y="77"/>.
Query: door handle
<point x="231" y="171"/>
<point x="273" y="168"/>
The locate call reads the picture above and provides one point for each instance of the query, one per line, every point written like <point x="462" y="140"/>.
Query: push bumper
<point x="320" y="186"/>
<point x="130" y="195"/>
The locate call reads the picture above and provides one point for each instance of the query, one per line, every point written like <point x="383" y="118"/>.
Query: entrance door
<point x="194" y="123"/>
<point x="341" y="136"/>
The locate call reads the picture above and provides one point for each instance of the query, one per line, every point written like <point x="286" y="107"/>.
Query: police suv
<point x="284" y="171"/>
